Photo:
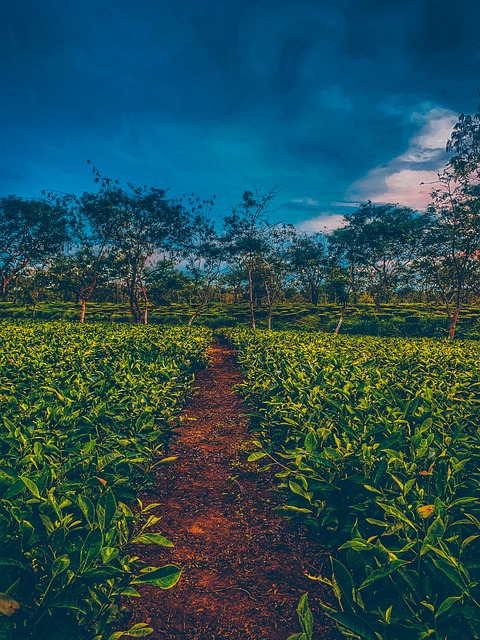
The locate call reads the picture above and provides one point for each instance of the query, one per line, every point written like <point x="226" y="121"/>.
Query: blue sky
<point x="333" y="102"/>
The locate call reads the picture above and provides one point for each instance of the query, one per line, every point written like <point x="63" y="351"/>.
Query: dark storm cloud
<point x="215" y="97"/>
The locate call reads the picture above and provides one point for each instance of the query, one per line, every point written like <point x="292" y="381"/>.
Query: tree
<point x="345" y="246"/>
<point x="31" y="231"/>
<point x="465" y="145"/>
<point x="379" y="241"/>
<point x="245" y="236"/>
<point x="451" y="244"/>
<point x="94" y="226"/>
<point x="166" y="283"/>
<point x="149" y="228"/>
<point x="274" y="266"/>
<point x="337" y="288"/>
<point x="308" y="261"/>
<point x="204" y="252"/>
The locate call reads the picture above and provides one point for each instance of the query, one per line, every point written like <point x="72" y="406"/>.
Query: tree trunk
<point x="340" y="320"/>
<point x="83" y="309"/>
<point x="145" y="302"/>
<point x="197" y="311"/>
<point x="250" y="299"/>
<point x="134" y="308"/>
<point x="453" y="323"/>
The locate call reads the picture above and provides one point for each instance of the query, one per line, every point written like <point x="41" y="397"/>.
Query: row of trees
<point x="134" y="242"/>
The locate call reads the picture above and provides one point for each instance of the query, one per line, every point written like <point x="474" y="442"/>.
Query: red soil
<point x="243" y="565"/>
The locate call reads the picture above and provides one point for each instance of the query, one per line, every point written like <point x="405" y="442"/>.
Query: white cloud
<point x="430" y="142"/>
<point x="325" y="222"/>
<point x="409" y="178"/>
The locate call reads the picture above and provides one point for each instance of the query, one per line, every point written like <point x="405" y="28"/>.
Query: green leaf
<point x="140" y="630"/>
<point x="90" y="548"/>
<point x="435" y="531"/>
<point x="106" y="509"/>
<point x="382" y="572"/>
<point x="87" y="508"/>
<point x="288" y="508"/>
<point x="305" y="616"/>
<point x="59" y="565"/>
<point x="310" y="442"/>
<point x="109" y="554"/>
<point x="163" y="577"/>
<point x="153" y="538"/>
<point x="344" y="581"/>
<point x="353" y="622"/>
<point x="382" y="467"/>
<point x="451" y="573"/>
<point x="296" y="488"/>
<point x="256" y="455"/>
<point x="31" y="486"/>
<point x="167" y="460"/>
<point x="446" y="604"/>
<point x="396" y="513"/>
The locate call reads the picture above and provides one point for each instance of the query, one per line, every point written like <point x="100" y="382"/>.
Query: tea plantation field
<point x="376" y="444"/>
<point x="86" y="414"/>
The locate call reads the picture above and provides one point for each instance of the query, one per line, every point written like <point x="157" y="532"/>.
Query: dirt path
<point x="243" y="564"/>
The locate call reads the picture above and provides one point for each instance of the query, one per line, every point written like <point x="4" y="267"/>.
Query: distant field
<point x="409" y="320"/>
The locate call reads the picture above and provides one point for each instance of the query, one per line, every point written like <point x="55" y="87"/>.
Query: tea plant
<point x="376" y="443"/>
<point x="87" y="414"/>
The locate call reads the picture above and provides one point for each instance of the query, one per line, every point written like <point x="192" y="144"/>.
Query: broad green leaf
<point x="31" y="486"/>
<point x="163" y="577"/>
<point x="354" y="623"/>
<point x="446" y="604"/>
<point x="382" y="572"/>
<point x="105" y="509"/>
<point x="87" y="508"/>
<point x="153" y="538"/>
<point x="305" y="616"/>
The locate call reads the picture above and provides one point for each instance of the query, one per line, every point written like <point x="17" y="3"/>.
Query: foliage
<point x="377" y="446"/>
<point x="87" y="414"/>
<point x="27" y="235"/>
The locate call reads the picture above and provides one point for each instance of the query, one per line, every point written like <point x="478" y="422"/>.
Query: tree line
<point x="138" y="244"/>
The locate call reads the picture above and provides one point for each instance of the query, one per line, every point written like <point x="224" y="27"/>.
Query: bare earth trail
<point x="243" y="565"/>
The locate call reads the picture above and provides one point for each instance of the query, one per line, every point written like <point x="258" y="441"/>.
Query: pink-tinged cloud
<point x="409" y="178"/>
<point x="408" y="187"/>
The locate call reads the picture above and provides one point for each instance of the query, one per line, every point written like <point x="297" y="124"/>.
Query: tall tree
<point x="246" y="236"/>
<point x="31" y="231"/>
<point x="308" y="263"/>
<point x="203" y="251"/>
<point x="451" y="244"/>
<point x="274" y="266"/>
<point x="379" y="241"/>
<point x="149" y="228"/>
<point x="95" y="220"/>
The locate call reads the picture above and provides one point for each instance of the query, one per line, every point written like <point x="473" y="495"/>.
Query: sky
<point x="334" y="103"/>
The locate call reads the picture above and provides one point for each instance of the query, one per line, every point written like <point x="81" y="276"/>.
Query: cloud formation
<point x="409" y="178"/>
<point x="217" y="97"/>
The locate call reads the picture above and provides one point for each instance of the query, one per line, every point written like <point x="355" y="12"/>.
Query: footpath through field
<point x="244" y="565"/>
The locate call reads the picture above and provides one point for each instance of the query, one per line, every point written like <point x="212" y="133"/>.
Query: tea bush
<point x="86" y="416"/>
<point x="376" y="443"/>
